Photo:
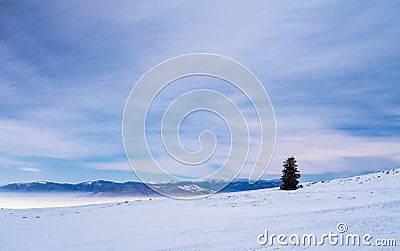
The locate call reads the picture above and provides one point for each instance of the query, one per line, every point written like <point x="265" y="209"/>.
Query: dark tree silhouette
<point x="290" y="174"/>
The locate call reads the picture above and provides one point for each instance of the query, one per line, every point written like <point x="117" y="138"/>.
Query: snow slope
<point x="230" y="221"/>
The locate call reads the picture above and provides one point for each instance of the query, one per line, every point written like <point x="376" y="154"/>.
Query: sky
<point x="331" y="70"/>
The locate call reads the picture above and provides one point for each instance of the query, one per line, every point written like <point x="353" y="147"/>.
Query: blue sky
<point x="331" y="70"/>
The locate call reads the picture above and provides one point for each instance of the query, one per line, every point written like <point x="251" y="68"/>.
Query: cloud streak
<point x="30" y="169"/>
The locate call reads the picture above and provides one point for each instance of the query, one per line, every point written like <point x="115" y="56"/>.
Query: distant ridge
<point x="111" y="188"/>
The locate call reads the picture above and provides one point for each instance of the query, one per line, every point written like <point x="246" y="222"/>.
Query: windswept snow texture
<point x="226" y="221"/>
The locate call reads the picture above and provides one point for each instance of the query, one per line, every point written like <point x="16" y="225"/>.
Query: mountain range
<point x="132" y="188"/>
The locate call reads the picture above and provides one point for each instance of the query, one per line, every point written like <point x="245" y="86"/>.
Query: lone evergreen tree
<point x="290" y="174"/>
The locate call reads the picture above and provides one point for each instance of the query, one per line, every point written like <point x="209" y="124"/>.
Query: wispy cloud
<point x="30" y="169"/>
<point x="118" y="165"/>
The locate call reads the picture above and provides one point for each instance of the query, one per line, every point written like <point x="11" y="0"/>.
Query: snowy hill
<point x="367" y="204"/>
